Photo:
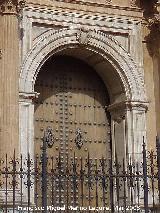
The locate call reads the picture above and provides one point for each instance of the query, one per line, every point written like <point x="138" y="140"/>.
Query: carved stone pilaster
<point x="26" y="125"/>
<point x="127" y="142"/>
<point x="11" y="6"/>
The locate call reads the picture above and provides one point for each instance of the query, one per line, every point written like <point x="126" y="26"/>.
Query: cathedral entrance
<point x="73" y="102"/>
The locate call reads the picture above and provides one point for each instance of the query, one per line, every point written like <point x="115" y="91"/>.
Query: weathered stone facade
<point x="123" y="36"/>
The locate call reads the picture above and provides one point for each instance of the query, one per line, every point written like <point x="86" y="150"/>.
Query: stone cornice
<point x="89" y="8"/>
<point x="106" y="3"/>
<point x="11" y="6"/>
<point x="89" y="3"/>
<point x="101" y="19"/>
<point x="129" y="105"/>
<point x="119" y="110"/>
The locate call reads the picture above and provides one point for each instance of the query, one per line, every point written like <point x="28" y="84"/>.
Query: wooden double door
<point x="72" y="101"/>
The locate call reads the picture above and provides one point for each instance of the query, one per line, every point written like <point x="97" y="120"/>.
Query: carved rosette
<point x="83" y="36"/>
<point x="11" y="6"/>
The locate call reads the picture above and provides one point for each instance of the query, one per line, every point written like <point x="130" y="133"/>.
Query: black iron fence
<point x="73" y="184"/>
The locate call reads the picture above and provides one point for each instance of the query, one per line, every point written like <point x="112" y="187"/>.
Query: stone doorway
<point x="120" y="75"/>
<point x="73" y="101"/>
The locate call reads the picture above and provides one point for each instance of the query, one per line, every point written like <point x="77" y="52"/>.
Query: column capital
<point x="118" y="110"/>
<point x="11" y="7"/>
<point x="28" y="97"/>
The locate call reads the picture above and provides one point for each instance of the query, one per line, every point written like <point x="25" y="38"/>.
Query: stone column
<point x="26" y="123"/>
<point x="26" y="128"/>
<point x="118" y="128"/>
<point x="9" y="77"/>
<point x="128" y="129"/>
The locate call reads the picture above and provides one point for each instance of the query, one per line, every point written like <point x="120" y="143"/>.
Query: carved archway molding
<point x="54" y="41"/>
<point x="128" y="111"/>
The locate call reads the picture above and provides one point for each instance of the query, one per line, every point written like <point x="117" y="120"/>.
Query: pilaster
<point x="26" y="123"/>
<point x="9" y="75"/>
<point x="128" y="129"/>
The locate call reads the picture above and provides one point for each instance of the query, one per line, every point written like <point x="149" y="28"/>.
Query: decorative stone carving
<point x="133" y="3"/>
<point x="108" y="1"/>
<point x="152" y="15"/>
<point x="85" y="2"/>
<point x="83" y="36"/>
<point x="98" y="42"/>
<point x="154" y="18"/>
<point x="11" y="6"/>
<point x="118" y="111"/>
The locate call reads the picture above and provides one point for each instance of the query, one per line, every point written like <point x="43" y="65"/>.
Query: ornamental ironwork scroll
<point x="49" y="137"/>
<point x="79" y="138"/>
<point x="85" y="181"/>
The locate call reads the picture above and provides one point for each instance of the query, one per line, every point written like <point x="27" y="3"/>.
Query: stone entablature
<point x="112" y="9"/>
<point x="125" y="4"/>
<point x="104" y="2"/>
<point x="126" y="30"/>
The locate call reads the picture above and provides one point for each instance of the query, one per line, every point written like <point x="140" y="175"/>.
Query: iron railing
<point x="54" y="184"/>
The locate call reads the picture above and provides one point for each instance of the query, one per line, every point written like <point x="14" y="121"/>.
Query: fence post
<point x="44" y="175"/>
<point x="111" y="186"/>
<point x="14" y="179"/>
<point x="158" y="163"/>
<point x="145" y="182"/>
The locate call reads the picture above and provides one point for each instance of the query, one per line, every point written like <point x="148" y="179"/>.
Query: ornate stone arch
<point x="53" y="41"/>
<point x="130" y="111"/>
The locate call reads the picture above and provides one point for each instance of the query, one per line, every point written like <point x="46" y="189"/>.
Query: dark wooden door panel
<point x="72" y="98"/>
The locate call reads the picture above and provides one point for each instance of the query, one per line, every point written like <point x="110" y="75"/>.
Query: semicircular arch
<point x="55" y="41"/>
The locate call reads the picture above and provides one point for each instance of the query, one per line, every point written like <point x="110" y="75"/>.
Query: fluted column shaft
<point x="9" y="74"/>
